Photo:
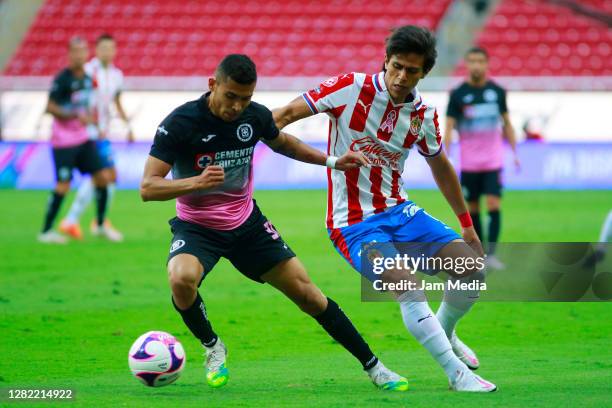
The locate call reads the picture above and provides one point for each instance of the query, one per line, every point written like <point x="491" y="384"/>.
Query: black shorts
<point x="84" y="157"/>
<point x="475" y="184"/>
<point x="253" y="248"/>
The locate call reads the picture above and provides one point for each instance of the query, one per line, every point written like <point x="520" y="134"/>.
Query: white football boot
<point x="51" y="237"/>
<point x="467" y="381"/>
<point x="464" y="353"/>
<point x="387" y="380"/>
<point x="217" y="374"/>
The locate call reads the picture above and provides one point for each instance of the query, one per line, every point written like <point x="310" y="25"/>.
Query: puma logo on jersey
<point x="207" y="138"/>
<point x="365" y="107"/>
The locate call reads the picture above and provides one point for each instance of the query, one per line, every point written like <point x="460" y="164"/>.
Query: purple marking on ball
<point x="149" y="377"/>
<point x="142" y="354"/>
<point x="176" y="361"/>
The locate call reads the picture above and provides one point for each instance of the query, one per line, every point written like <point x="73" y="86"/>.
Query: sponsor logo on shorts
<point x="179" y="243"/>
<point x="64" y="173"/>
<point x="411" y="210"/>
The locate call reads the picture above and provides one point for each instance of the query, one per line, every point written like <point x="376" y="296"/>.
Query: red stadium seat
<point x="536" y="38"/>
<point x="165" y="37"/>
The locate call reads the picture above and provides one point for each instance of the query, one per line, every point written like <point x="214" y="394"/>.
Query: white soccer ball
<point x="156" y="358"/>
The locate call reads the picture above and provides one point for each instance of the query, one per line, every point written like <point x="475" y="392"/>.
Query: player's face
<point x="477" y="65"/>
<point x="403" y="73"/>
<point x="106" y="51"/>
<point x="228" y="98"/>
<point x="78" y="54"/>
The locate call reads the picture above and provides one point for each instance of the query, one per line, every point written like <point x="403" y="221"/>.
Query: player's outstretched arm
<point x="448" y="133"/>
<point x="295" y="110"/>
<point x="294" y="148"/>
<point x="448" y="183"/>
<point x="155" y="187"/>
<point x="511" y="138"/>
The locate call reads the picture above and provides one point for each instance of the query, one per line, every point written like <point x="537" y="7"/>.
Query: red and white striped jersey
<point x="364" y="118"/>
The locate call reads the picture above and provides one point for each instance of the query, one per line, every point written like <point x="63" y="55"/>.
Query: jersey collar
<point x="379" y="84"/>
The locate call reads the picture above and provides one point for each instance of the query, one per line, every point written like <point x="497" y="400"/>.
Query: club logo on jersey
<point x="415" y="125"/>
<point x="330" y="82"/>
<point x="179" y="243"/>
<point x="244" y="132"/>
<point x="204" y="160"/>
<point x="377" y="154"/>
<point x="389" y="124"/>
<point x="490" y="95"/>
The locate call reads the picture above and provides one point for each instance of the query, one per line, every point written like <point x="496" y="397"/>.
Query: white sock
<point x="457" y="303"/>
<point x="83" y="198"/>
<point x="421" y="322"/>
<point x="606" y="232"/>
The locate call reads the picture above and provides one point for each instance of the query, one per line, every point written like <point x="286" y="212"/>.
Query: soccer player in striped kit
<point x="384" y="117"/>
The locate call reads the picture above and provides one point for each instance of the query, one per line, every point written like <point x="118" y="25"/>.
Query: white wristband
<point x="331" y="162"/>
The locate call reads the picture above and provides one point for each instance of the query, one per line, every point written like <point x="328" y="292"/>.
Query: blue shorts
<point x="404" y="223"/>
<point x="105" y="150"/>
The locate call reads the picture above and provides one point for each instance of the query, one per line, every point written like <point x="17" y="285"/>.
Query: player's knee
<point x="100" y="179"/>
<point x="62" y="188"/>
<point x="183" y="276"/>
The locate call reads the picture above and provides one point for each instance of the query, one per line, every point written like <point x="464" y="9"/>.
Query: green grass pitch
<point x="69" y="314"/>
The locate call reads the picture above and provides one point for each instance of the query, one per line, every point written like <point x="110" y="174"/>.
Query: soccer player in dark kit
<point x="208" y="144"/>
<point x="73" y="127"/>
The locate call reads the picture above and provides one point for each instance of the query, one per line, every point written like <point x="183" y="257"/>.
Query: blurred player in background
<point x="384" y="116"/>
<point x="74" y="124"/>
<point x="108" y="80"/>
<point x="476" y="108"/>
<point x="208" y="144"/>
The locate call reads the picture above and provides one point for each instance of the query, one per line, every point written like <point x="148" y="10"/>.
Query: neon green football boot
<point x="216" y="371"/>
<point x="387" y="380"/>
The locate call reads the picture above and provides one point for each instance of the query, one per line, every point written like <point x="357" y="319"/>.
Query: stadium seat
<point x="177" y="37"/>
<point x="527" y="38"/>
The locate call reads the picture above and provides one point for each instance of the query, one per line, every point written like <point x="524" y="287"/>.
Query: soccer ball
<point x="156" y="358"/>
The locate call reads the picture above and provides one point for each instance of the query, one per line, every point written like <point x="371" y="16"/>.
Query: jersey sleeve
<point x="330" y="94"/>
<point x="454" y="109"/>
<point x="430" y="140"/>
<point x="503" y="107"/>
<point x="270" y="131"/>
<point x="166" y="144"/>
<point x="60" y="90"/>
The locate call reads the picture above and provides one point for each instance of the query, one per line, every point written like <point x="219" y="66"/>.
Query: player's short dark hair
<point x="238" y="67"/>
<point x="76" y="40"/>
<point x="413" y="39"/>
<point x="477" y="50"/>
<point x="103" y="37"/>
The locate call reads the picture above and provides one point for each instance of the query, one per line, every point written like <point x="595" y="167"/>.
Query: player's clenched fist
<point x="211" y="177"/>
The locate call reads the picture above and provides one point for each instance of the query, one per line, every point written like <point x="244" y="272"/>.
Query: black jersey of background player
<point x="192" y="138"/>
<point x="477" y="109"/>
